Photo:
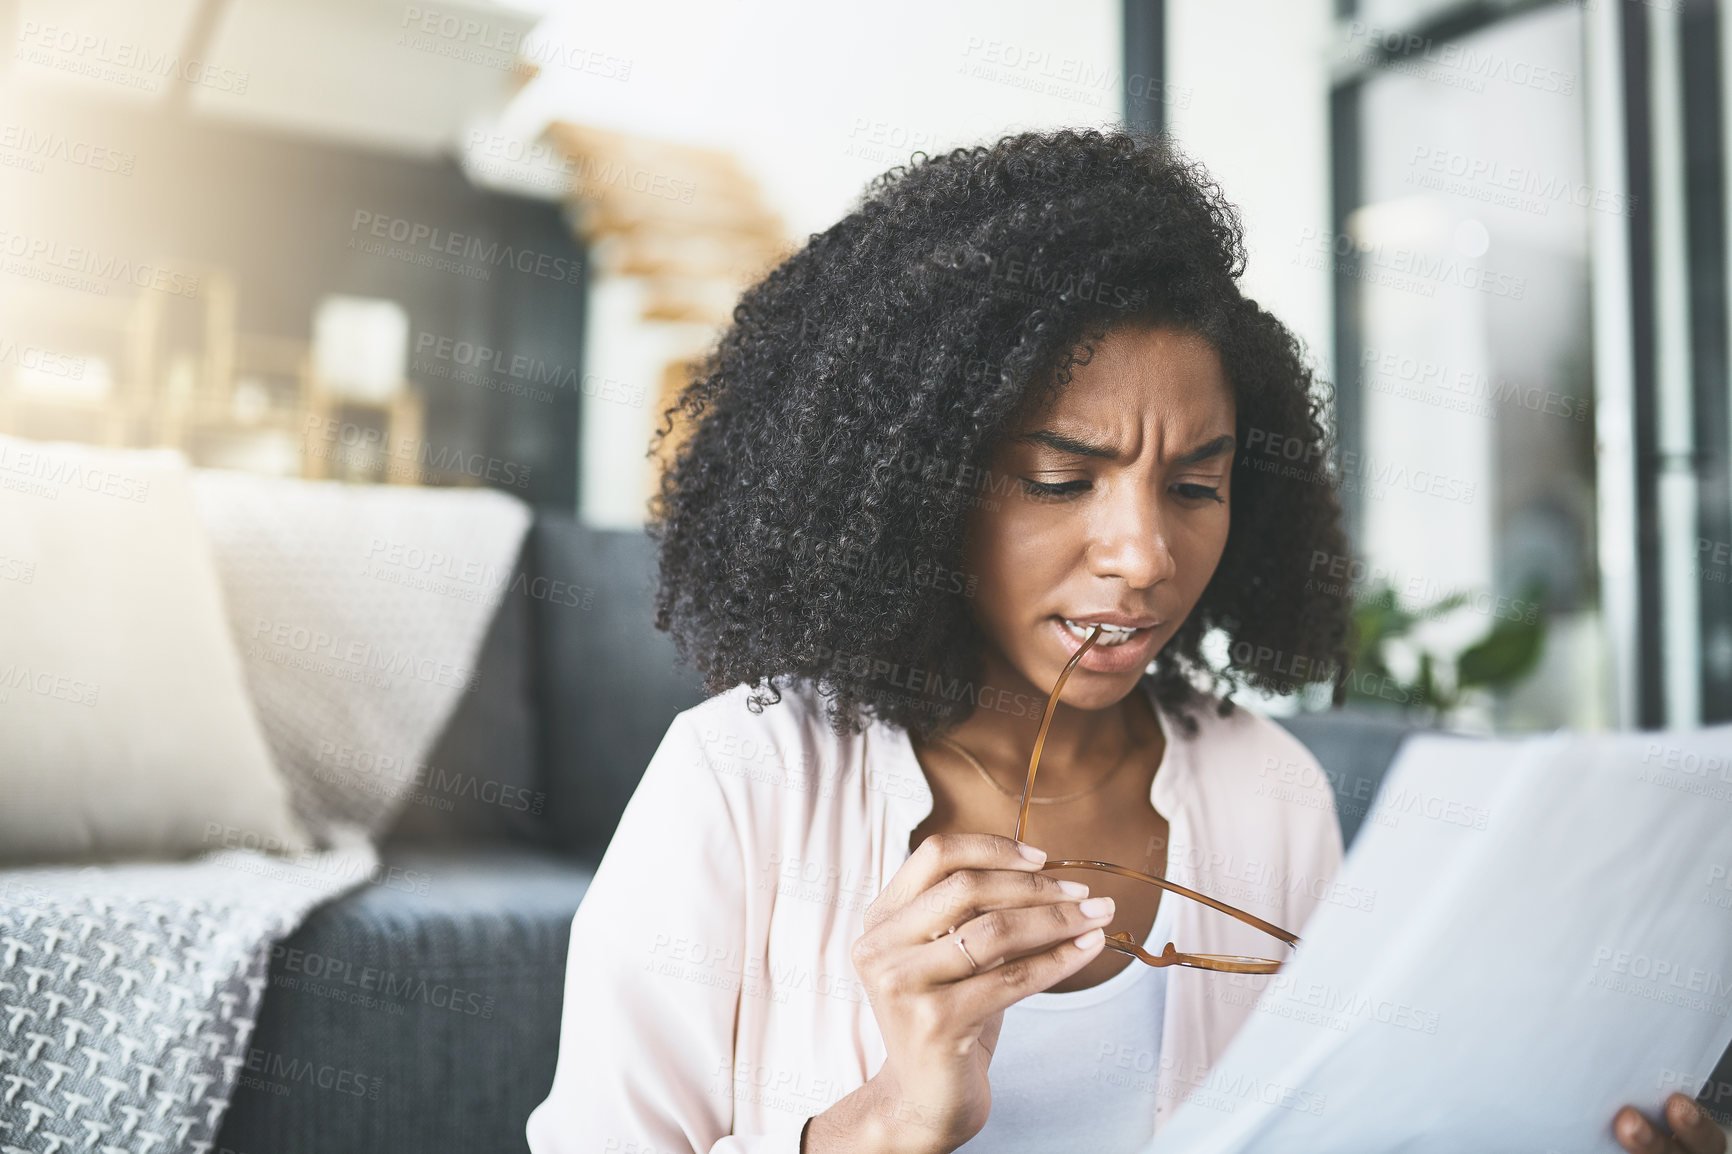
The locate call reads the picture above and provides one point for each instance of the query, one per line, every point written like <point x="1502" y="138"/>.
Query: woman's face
<point x="1109" y="506"/>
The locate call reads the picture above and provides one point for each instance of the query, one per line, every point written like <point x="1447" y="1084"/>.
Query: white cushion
<point x="125" y="726"/>
<point x="359" y="612"/>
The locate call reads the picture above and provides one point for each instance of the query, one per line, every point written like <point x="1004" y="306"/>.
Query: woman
<point x="1001" y="402"/>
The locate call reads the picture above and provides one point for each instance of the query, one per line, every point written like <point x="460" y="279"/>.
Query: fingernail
<point x="1072" y="889"/>
<point x="1641" y="1131"/>
<point x="1034" y="855"/>
<point x="1096" y="907"/>
<point x="1091" y="939"/>
<point x="1689" y="1112"/>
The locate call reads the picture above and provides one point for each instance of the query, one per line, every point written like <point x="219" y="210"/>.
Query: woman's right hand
<point x="939" y="1018"/>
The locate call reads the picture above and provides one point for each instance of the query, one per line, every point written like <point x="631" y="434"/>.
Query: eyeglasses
<point x="1123" y="942"/>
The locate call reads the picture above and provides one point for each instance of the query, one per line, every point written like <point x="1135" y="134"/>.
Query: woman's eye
<point x="1053" y="489"/>
<point x="1199" y="492"/>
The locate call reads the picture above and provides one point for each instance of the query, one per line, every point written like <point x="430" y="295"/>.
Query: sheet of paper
<point x="1551" y="938"/>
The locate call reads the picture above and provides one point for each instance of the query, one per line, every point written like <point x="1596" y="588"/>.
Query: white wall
<point x="1249" y="98"/>
<point x="817" y="98"/>
<point x="814" y="100"/>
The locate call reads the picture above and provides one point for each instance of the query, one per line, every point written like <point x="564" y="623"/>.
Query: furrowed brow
<point x="1068" y="444"/>
<point x="1214" y="448"/>
<point x="1076" y="447"/>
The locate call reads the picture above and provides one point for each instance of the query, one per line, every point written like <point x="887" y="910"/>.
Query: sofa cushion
<point x="1354" y="748"/>
<point x="483" y="780"/>
<point x="125" y="726"/>
<point x="608" y="684"/>
<point x="361" y="610"/>
<point x="420" y="1013"/>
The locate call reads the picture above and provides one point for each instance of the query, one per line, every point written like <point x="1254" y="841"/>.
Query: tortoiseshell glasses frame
<point x="1123" y="942"/>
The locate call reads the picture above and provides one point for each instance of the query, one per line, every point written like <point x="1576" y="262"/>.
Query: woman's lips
<point x="1135" y="653"/>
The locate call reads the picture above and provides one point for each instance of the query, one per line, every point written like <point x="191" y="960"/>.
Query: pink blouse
<point x="711" y="1006"/>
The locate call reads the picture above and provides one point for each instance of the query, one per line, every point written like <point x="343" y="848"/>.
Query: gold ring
<point x="972" y="965"/>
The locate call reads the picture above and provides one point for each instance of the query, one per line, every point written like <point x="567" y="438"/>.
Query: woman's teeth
<point x="1110" y="634"/>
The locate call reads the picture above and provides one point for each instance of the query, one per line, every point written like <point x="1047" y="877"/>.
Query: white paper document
<point x="1550" y="939"/>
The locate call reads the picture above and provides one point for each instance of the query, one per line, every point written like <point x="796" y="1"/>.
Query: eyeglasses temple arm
<point x="1269" y="928"/>
<point x="1046" y="720"/>
<point x="1028" y="790"/>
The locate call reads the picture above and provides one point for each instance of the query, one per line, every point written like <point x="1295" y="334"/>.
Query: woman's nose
<point x="1131" y="542"/>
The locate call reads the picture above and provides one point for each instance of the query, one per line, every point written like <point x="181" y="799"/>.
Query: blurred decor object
<point x="359" y="404"/>
<point x="137" y="371"/>
<point x="128" y="730"/>
<point x="1507" y="652"/>
<point x="84" y="372"/>
<point x="265" y="404"/>
<point x="63" y="377"/>
<point x="361" y="348"/>
<point x="688" y="222"/>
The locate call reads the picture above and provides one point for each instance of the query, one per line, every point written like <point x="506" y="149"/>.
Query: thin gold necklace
<point x="1017" y="794"/>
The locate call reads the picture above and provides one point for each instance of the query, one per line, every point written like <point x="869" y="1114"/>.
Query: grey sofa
<point x="427" y="1004"/>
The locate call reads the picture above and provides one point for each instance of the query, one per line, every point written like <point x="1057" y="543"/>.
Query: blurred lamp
<point x="361" y="347"/>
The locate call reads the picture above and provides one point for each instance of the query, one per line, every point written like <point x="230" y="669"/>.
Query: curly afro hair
<point x="834" y="439"/>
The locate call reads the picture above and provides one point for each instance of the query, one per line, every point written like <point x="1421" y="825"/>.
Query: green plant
<point x="1507" y="652"/>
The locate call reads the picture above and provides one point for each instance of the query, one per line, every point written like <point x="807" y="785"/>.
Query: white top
<point x="711" y="1004"/>
<point x="1076" y="1070"/>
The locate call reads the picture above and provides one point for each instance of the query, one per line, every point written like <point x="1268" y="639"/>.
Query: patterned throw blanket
<point x="128" y="992"/>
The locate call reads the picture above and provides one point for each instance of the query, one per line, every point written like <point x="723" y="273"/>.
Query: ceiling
<point x="410" y="78"/>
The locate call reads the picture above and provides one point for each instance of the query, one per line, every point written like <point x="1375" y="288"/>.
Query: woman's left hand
<point x="1687" y="1129"/>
